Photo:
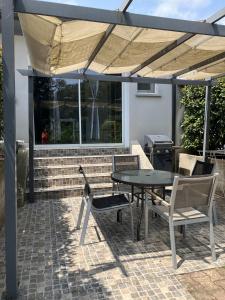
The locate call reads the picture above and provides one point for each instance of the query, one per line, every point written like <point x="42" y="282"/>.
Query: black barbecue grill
<point x="159" y="150"/>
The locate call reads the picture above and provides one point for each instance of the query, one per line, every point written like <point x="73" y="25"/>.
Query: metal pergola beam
<point x="105" y="37"/>
<point x="220" y="14"/>
<point x="162" y="52"/>
<point x="201" y="64"/>
<point x="26" y="72"/>
<point x="125" y="5"/>
<point x="10" y="148"/>
<point x="72" y="12"/>
<point x="214" y="78"/>
<point x="212" y="19"/>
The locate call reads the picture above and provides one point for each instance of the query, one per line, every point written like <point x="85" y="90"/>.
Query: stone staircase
<point x="56" y="171"/>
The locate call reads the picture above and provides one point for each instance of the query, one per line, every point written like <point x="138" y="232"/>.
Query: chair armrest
<point x="154" y="195"/>
<point x="158" y="198"/>
<point x="163" y="202"/>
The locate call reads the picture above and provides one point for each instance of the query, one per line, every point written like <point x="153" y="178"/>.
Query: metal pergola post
<point x="10" y="147"/>
<point x="206" y="120"/>
<point x="31" y="137"/>
<point x="173" y="121"/>
<point x="174" y="108"/>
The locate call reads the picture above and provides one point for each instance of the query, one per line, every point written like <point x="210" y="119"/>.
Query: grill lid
<point x="153" y="139"/>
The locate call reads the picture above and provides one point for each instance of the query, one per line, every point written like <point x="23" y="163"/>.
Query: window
<point x="56" y="111"/>
<point x="146" y="88"/>
<point x="60" y="118"/>
<point x="101" y="112"/>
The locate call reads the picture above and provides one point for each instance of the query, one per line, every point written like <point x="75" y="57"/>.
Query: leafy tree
<point x="193" y="99"/>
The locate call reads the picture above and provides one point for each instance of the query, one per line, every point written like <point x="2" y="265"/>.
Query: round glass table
<point x="144" y="179"/>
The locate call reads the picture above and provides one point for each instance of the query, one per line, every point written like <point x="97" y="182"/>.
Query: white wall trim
<point x="77" y="146"/>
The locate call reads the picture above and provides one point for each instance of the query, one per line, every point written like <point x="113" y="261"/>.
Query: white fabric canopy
<point x="57" y="47"/>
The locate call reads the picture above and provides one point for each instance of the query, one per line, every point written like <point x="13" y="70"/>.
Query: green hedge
<point x="193" y="100"/>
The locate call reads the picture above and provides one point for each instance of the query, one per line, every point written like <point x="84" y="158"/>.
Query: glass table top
<point x="144" y="177"/>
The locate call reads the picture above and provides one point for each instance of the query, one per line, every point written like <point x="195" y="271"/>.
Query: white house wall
<point x="21" y="62"/>
<point x="21" y="82"/>
<point x="150" y="114"/>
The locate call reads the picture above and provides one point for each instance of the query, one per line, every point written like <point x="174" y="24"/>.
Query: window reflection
<point x="56" y="111"/>
<point x="101" y="112"/>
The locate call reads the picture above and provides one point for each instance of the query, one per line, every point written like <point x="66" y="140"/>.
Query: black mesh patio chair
<point x="203" y="168"/>
<point x="100" y="203"/>
<point x="122" y="163"/>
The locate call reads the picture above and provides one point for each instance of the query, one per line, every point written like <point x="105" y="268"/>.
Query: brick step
<point x="71" y="160"/>
<point x="88" y="151"/>
<point x="75" y="179"/>
<point x="69" y="191"/>
<point x="72" y="169"/>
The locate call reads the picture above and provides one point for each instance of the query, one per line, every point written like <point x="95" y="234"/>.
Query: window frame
<point x="148" y="93"/>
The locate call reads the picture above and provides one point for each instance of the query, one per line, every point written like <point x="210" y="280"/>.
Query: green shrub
<point x="193" y="100"/>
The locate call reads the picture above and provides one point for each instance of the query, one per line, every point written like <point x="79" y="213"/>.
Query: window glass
<point x="146" y="87"/>
<point x="101" y="112"/>
<point x="56" y="111"/>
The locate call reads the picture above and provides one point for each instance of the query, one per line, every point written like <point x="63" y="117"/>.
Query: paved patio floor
<point x="51" y="265"/>
<point x="206" y="284"/>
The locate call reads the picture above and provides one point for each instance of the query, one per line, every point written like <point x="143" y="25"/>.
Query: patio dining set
<point x="178" y="200"/>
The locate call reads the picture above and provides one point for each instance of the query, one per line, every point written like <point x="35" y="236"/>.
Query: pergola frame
<point x="71" y="12"/>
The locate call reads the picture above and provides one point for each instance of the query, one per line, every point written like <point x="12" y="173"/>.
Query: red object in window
<point x="44" y="137"/>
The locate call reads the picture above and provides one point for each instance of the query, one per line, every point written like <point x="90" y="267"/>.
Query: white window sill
<point x="140" y="94"/>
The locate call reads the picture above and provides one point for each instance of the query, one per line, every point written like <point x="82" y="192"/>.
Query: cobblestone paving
<point x="51" y="265"/>
<point x="207" y="284"/>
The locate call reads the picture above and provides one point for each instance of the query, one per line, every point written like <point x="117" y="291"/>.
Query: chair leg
<point x="173" y="245"/>
<point x="183" y="230"/>
<point x="80" y="213"/>
<point x="137" y="201"/>
<point x="119" y="216"/>
<point x="215" y="219"/>
<point x="84" y="228"/>
<point x="212" y="241"/>
<point x="113" y="188"/>
<point x="132" y="221"/>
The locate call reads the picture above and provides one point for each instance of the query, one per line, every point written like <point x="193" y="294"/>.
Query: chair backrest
<point x="125" y="162"/>
<point x="193" y="191"/>
<point x="87" y="188"/>
<point x="203" y="168"/>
